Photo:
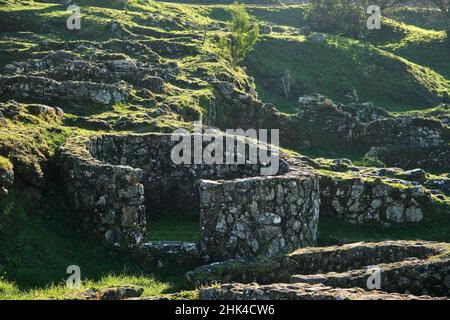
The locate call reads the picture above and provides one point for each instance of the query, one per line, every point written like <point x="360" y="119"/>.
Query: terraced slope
<point x="155" y="66"/>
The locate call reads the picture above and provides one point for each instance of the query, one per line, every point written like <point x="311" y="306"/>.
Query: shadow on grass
<point x="40" y="239"/>
<point x="336" y="232"/>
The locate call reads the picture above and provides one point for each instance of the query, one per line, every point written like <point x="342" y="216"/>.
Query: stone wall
<point x="164" y="180"/>
<point x="106" y="177"/>
<point x="109" y="198"/>
<point x="361" y="200"/>
<point x="409" y="142"/>
<point x="406" y="267"/>
<point x="413" y="276"/>
<point x="299" y="291"/>
<point x="313" y="261"/>
<point x="258" y="216"/>
<point x="66" y="76"/>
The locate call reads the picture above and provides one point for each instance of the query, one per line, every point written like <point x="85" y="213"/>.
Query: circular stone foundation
<point x="117" y="182"/>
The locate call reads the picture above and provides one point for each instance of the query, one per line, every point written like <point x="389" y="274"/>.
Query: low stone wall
<point x="167" y="254"/>
<point x="109" y="198"/>
<point x="414" y="142"/>
<point x="45" y="89"/>
<point x="106" y="177"/>
<point x="258" y="216"/>
<point x="312" y="261"/>
<point x="437" y="157"/>
<point x="413" y="276"/>
<point x="298" y="291"/>
<point x="361" y="200"/>
<point x="406" y="267"/>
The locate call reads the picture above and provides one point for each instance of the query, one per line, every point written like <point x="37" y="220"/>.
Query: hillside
<point x="374" y="115"/>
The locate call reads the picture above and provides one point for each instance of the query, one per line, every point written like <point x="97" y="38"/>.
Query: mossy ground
<point x="333" y="231"/>
<point x="40" y="239"/>
<point x="403" y="68"/>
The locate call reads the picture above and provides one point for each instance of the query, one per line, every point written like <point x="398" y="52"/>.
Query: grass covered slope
<point x="335" y="66"/>
<point x="40" y="239"/>
<point x="402" y="68"/>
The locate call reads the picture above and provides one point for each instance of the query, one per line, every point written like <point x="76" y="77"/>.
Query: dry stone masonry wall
<point x="113" y="180"/>
<point x="405" y="268"/>
<point x="408" y="142"/>
<point x="362" y="200"/>
<point x="258" y="216"/>
<point x="299" y="291"/>
<point x="110" y="198"/>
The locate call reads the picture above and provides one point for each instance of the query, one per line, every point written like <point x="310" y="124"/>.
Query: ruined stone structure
<point x="407" y="142"/>
<point x="118" y="182"/>
<point x="359" y="200"/>
<point x="258" y="216"/>
<point x="299" y="291"/>
<point x="66" y="76"/>
<point x="404" y="267"/>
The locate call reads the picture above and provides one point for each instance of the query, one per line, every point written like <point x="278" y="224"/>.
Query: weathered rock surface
<point x="299" y="291"/>
<point x="405" y="267"/>
<point x="114" y="293"/>
<point x="106" y="177"/>
<point x="258" y="216"/>
<point x="46" y="89"/>
<point x="168" y="253"/>
<point x="361" y="200"/>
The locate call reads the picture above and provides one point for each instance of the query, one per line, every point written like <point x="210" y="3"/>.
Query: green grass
<point x="5" y="163"/>
<point x="430" y="19"/>
<point x="434" y="228"/>
<point x="288" y="15"/>
<point x="176" y="227"/>
<point x="152" y="287"/>
<point x="339" y="65"/>
<point x="423" y="47"/>
<point x="41" y="238"/>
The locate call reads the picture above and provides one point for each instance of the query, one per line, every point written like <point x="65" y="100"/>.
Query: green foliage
<point x="436" y="228"/>
<point x="337" y="16"/>
<point x="5" y="163"/>
<point x="174" y="227"/>
<point x="348" y="17"/>
<point x="243" y="35"/>
<point x="39" y="241"/>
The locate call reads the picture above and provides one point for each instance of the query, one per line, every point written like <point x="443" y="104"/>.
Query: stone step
<point x="298" y="291"/>
<point x="415" y="276"/>
<point x="165" y="253"/>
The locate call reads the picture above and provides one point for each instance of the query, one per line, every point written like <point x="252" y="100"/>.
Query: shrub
<point x="243" y="37"/>
<point x="348" y="17"/>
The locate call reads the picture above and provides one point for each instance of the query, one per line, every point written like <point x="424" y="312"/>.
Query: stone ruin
<point x="407" y="270"/>
<point x="117" y="182"/>
<point x="360" y="200"/>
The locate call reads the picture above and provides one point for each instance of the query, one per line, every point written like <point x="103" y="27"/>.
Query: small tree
<point x="243" y="37"/>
